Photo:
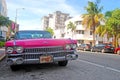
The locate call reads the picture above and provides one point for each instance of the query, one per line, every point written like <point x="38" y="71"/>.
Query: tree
<point x="93" y="16"/>
<point x="108" y="14"/>
<point x="50" y="30"/>
<point x="72" y="27"/>
<point x="113" y="25"/>
<point x="4" y="21"/>
<point x="102" y="29"/>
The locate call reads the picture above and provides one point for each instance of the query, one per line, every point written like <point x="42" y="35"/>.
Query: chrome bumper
<point x="20" y="60"/>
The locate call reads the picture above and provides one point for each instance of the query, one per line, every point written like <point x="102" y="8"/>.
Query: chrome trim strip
<point x="45" y="47"/>
<point x="41" y="53"/>
<point x="55" y="59"/>
<point x="14" y="42"/>
<point x="31" y="59"/>
<point x="59" y="58"/>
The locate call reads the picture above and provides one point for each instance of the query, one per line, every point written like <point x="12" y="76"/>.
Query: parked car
<point x="117" y="50"/>
<point x="103" y="48"/>
<point x="84" y="47"/>
<point x="37" y="47"/>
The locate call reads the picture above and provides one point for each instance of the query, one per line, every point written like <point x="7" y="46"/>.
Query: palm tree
<point x="72" y="27"/>
<point x="113" y="24"/>
<point x="111" y="27"/>
<point x="101" y="30"/>
<point x="4" y="21"/>
<point x="93" y="16"/>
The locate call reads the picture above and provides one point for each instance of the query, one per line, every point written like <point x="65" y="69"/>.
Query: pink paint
<point x="40" y="42"/>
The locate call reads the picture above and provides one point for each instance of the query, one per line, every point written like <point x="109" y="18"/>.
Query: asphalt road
<point x="89" y="66"/>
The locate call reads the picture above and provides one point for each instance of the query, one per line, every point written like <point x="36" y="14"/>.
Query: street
<point x="89" y="66"/>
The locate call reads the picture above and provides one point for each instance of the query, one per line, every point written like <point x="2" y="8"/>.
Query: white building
<point x="57" y="22"/>
<point x="3" y="8"/>
<point x="3" y="12"/>
<point x="81" y="34"/>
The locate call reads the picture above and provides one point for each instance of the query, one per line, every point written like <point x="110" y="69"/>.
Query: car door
<point x="82" y="46"/>
<point x="94" y="48"/>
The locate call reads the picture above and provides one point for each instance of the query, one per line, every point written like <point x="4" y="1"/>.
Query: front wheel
<point x="63" y="63"/>
<point x="14" y="67"/>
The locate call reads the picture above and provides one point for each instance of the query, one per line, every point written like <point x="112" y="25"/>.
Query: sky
<point x="30" y="17"/>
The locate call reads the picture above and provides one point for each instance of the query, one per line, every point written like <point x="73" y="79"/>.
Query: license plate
<point x="46" y="59"/>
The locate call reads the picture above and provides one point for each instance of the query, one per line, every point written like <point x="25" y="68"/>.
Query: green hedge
<point x="2" y="43"/>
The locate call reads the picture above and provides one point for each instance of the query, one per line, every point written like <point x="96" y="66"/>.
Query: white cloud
<point x="36" y="9"/>
<point x="30" y="24"/>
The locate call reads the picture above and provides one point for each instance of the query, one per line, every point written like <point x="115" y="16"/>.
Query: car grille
<point x="35" y="53"/>
<point x="43" y="49"/>
<point x="36" y="56"/>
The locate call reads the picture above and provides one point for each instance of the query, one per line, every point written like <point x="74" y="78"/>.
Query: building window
<point x="80" y="41"/>
<point x="78" y="22"/>
<point x="91" y="32"/>
<point x="80" y="31"/>
<point x="62" y="35"/>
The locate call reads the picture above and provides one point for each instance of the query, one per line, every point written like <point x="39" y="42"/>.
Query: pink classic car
<point x="37" y="47"/>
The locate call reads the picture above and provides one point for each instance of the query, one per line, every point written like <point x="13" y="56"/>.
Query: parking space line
<point x="101" y="66"/>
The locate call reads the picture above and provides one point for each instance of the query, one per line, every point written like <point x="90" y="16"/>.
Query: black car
<point x="84" y="47"/>
<point x="103" y="48"/>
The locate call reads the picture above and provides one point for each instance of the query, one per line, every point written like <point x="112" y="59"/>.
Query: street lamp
<point x="17" y="13"/>
<point x="16" y="17"/>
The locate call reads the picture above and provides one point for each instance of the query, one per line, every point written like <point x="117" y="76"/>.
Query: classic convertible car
<point x="37" y="47"/>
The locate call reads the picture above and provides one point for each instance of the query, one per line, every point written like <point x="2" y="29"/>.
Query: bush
<point x="2" y="43"/>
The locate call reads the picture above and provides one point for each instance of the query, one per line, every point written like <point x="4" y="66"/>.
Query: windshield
<point x="32" y="34"/>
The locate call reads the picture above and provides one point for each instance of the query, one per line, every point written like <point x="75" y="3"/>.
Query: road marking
<point x="101" y="66"/>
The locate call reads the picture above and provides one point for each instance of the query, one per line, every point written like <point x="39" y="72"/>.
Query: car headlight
<point x="74" y="46"/>
<point x="68" y="47"/>
<point x="19" y="49"/>
<point x="9" y="50"/>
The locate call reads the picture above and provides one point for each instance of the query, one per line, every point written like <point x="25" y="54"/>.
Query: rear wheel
<point x="118" y="52"/>
<point x="63" y="63"/>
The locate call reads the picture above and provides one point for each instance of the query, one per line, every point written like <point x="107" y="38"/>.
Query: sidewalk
<point x="2" y="54"/>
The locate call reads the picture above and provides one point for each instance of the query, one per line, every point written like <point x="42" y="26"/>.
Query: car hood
<point x="39" y="42"/>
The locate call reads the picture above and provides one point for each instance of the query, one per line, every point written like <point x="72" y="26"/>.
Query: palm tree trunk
<point x="94" y="38"/>
<point x="115" y="41"/>
<point x="94" y="41"/>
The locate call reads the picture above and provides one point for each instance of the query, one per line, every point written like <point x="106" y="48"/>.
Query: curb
<point x="2" y="48"/>
<point x="2" y="56"/>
